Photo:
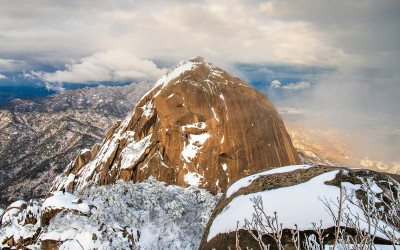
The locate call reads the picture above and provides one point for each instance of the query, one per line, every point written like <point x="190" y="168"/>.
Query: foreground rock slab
<point x="299" y="196"/>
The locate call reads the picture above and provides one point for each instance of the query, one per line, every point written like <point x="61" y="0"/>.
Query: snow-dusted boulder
<point x="61" y="201"/>
<point x="300" y="195"/>
<point x="20" y="224"/>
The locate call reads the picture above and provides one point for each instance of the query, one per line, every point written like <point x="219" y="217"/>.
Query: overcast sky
<point x="341" y="58"/>
<point x="339" y="45"/>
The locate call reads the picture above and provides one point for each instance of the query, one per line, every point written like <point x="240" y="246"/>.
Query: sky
<point x="341" y="57"/>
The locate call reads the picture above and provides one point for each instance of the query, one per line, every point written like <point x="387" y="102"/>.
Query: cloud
<point x="290" y="86"/>
<point x="233" y="31"/>
<point x="113" y="65"/>
<point x="3" y="76"/>
<point x="275" y="84"/>
<point x="57" y="87"/>
<point x="10" y="65"/>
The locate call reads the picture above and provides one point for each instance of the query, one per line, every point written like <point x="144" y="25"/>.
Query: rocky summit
<point x="198" y="126"/>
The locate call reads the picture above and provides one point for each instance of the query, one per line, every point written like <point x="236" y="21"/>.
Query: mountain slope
<point x="198" y="126"/>
<point x="40" y="136"/>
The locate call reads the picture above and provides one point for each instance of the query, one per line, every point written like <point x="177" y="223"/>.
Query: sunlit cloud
<point x="114" y="65"/>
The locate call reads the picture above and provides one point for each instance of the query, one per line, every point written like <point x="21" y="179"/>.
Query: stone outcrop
<point x="198" y="126"/>
<point x="302" y="191"/>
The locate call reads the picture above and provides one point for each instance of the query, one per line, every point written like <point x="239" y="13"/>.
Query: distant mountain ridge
<point x="40" y="136"/>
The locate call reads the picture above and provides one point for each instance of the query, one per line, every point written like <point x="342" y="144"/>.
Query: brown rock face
<point x="198" y="126"/>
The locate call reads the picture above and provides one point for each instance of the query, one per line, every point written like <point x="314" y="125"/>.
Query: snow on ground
<point x="299" y="204"/>
<point x="13" y="222"/>
<point x="165" y="217"/>
<point x="168" y="217"/>
<point x="194" y="145"/>
<point x="246" y="181"/>
<point x="65" y="200"/>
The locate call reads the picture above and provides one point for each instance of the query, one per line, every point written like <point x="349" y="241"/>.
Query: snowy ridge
<point x="181" y="68"/>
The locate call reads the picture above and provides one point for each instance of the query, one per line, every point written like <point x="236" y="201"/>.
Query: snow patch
<point x="289" y="202"/>
<point x="17" y="204"/>
<point x="65" y="200"/>
<point x="224" y="166"/>
<point x="214" y="114"/>
<point x="193" y="179"/>
<point x="222" y="97"/>
<point x="148" y="109"/>
<point x="84" y="150"/>
<point x="194" y="145"/>
<point x="133" y="151"/>
<point x="181" y="68"/>
<point x="199" y="125"/>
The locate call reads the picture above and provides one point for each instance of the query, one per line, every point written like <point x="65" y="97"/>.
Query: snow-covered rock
<point x="296" y="194"/>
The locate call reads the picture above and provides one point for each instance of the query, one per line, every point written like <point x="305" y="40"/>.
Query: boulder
<point x="300" y="195"/>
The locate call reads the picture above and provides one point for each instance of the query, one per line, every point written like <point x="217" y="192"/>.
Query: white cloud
<point x="53" y="86"/>
<point x="290" y="86"/>
<point x="7" y="65"/>
<point x="224" y="32"/>
<point x="113" y="65"/>
<point x="297" y="85"/>
<point x="275" y="84"/>
<point x="3" y="76"/>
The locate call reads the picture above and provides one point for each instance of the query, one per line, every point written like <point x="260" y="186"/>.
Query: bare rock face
<point x="198" y="126"/>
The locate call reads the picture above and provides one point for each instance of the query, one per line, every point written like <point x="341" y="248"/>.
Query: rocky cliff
<point x="198" y="126"/>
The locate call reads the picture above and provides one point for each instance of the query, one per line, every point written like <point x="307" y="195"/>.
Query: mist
<point x="363" y="104"/>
